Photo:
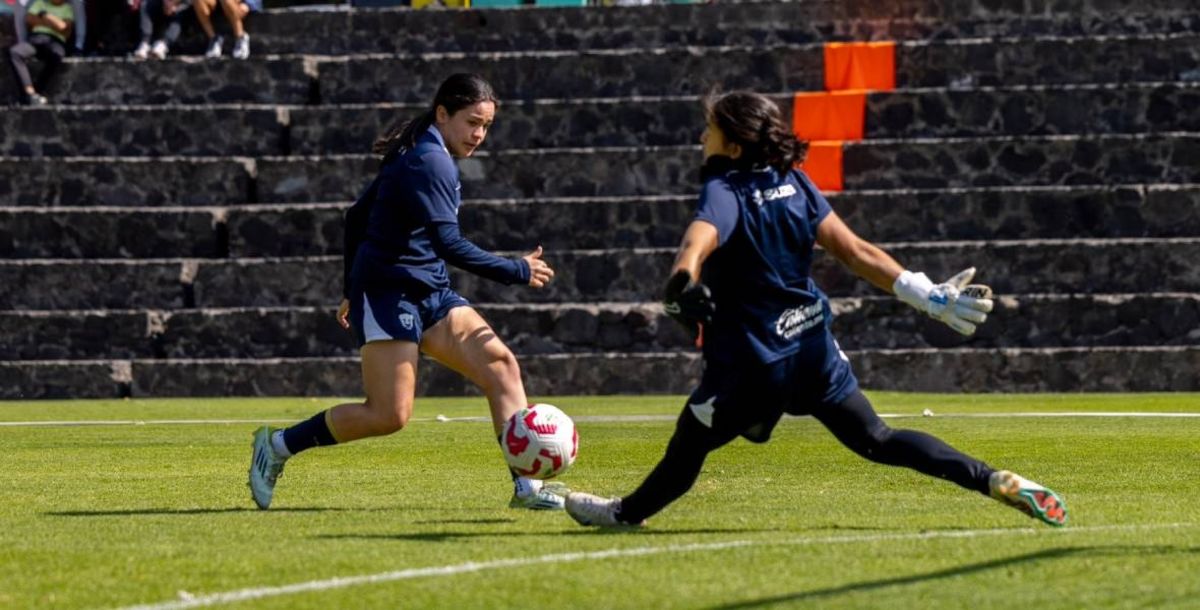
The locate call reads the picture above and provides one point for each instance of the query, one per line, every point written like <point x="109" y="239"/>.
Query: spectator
<point x="51" y="22"/>
<point x="19" y="12"/>
<point x="157" y="12"/>
<point x="235" y="11"/>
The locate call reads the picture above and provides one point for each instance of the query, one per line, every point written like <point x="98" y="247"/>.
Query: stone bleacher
<point x="174" y="228"/>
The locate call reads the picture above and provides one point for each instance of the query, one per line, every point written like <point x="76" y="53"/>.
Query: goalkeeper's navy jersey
<point x="767" y="306"/>
<point x="404" y="228"/>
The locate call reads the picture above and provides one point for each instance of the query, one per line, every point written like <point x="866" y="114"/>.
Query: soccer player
<point x="397" y="297"/>
<point x="741" y="283"/>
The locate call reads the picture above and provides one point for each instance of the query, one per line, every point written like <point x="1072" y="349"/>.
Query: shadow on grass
<point x="186" y="511"/>
<point x="445" y="536"/>
<point x="1048" y="554"/>
<point x="463" y="521"/>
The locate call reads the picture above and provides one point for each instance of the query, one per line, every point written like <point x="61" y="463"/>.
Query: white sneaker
<point x="588" y="509"/>
<point x="241" y="47"/>
<point x="533" y="494"/>
<point x="159" y="50"/>
<point x="265" y="468"/>
<point x="142" y="51"/>
<point x="214" y="47"/>
<point x="1028" y="497"/>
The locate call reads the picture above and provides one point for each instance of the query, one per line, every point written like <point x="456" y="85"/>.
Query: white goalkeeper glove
<point x="956" y="302"/>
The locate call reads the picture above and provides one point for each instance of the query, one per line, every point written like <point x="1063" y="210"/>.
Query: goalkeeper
<point x="741" y="284"/>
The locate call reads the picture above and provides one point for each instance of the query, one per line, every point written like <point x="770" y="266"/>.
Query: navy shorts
<point x="749" y="399"/>
<point x="395" y="314"/>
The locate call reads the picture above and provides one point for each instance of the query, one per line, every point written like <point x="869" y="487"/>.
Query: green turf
<point x="118" y="515"/>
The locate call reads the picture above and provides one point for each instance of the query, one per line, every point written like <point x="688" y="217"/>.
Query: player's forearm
<point x="871" y="263"/>
<point x="699" y="241"/>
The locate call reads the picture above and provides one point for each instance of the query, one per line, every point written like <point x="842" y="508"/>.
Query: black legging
<point x="853" y="422"/>
<point x="153" y="11"/>
<point x="46" y="48"/>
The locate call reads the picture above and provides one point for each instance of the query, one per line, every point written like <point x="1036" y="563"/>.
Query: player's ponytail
<point x="454" y="94"/>
<point x="754" y="122"/>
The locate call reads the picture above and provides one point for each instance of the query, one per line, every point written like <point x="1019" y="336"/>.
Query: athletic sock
<point x="312" y="432"/>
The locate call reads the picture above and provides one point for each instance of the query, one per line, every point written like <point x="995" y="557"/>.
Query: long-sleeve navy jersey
<point x="404" y="228"/>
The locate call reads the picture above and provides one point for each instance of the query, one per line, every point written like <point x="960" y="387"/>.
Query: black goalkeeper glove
<point x="689" y="304"/>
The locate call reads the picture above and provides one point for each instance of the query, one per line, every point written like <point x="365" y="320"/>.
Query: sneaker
<point x="1028" y="497"/>
<point x="533" y="494"/>
<point x="36" y="99"/>
<point x="241" y="47"/>
<point x="214" y="47"/>
<point x="265" y="468"/>
<point x="587" y="509"/>
<point x="142" y="51"/>
<point x="159" y="50"/>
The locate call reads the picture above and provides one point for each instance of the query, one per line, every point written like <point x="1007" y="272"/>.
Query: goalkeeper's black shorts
<point x="747" y="399"/>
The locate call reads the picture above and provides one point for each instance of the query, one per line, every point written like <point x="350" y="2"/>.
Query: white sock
<point x="278" y="445"/>
<point x="525" y="487"/>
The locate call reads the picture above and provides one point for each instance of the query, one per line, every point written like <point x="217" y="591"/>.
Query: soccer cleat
<point x="214" y="47"/>
<point x="1028" y="497"/>
<point x="587" y="509"/>
<point x="265" y="468"/>
<point x="533" y="494"/>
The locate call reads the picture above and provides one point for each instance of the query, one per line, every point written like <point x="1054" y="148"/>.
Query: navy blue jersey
<point x="767" y="304"/>
<point x="404" y="228"/>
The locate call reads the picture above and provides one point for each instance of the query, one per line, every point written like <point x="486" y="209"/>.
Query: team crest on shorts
<point x="406" y="320"/>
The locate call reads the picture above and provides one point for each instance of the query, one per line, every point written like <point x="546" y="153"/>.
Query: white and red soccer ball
<point x="540" y="441"/>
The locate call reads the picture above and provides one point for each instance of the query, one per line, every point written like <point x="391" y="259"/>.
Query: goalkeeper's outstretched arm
<point x="953" y="302"/>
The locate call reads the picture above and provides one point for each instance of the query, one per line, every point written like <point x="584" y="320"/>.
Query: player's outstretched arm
<point x="955" y="302"/>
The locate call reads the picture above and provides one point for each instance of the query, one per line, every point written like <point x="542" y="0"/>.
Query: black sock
<point x="856" y="425"/>
<point x="312" y="432"/>
<point x="675" y="473"/>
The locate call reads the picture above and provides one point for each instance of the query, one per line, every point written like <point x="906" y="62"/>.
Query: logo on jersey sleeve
<point x="794" y="321"/>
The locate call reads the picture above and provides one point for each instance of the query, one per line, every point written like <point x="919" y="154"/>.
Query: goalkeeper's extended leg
<point x="674" y="475"/>
<point x="858" y="427"/>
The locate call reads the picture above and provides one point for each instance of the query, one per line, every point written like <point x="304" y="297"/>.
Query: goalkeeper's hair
<point x="754" y="122"/>
<point x="455" y="93"/>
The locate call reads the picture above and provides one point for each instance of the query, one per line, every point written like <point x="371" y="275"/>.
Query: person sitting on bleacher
<point x="159" y="11"/>
<point x="51" y="22"/>
<point x="20" y="8"/>
<point x="235" y="11"/>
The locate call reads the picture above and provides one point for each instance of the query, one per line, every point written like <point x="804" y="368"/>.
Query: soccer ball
<point x="540" y="441"/>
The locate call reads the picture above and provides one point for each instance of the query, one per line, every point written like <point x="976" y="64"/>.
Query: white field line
<point x="189" y="600"/>
<point x="582" y="418"/>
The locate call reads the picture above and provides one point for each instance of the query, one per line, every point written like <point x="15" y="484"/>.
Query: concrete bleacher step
<point x="879" y="322"/>
<point x="625" y="72"/>
<point x="266" y="130"/>
<point x="588" y="172"/>
<point x="1012" y="267"/>
<point x="339" y="30"/>
<point x="1087" y="369"/>
<point x="258" y="230"/>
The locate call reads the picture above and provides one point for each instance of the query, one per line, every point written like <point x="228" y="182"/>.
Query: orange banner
<point x="825" y="115"/>
<point x="860" y="65"/>
<point x="824" y="164"/>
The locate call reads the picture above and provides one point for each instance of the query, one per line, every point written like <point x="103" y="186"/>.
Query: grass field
<point x="152" y="513"/>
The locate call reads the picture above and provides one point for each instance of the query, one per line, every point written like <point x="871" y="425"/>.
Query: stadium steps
<point x="1056" y="180"/>
<point x="624" y="72"/>
<point x="312" y="229"/>
<point x="591" y="172"/>
<point x="1128" y="265"/>
<point x="273" y="130"/>
<point x="1081" y="369"/>
<point x="860" y="323"/>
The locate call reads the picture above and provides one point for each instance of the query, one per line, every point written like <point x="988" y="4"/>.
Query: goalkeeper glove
<point x="689" y="304"/>
<point x="955" y="302"/>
